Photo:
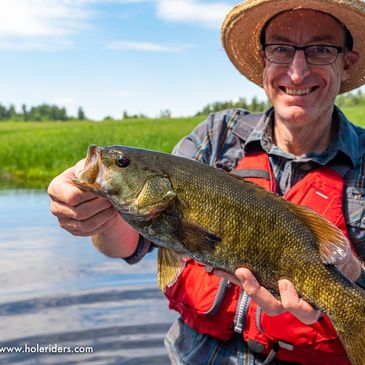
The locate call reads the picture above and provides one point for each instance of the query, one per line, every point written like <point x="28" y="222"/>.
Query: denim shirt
<point x="224" y="138"/>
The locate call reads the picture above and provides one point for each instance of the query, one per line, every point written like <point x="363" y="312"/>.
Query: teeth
<point x="297" y="91"/>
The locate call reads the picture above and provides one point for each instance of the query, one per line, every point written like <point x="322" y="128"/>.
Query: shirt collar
<point x="345" y="140"/>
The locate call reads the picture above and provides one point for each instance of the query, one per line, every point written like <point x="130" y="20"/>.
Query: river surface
<point x="59" y="295"/>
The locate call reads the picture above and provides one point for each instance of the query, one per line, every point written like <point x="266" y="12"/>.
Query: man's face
<point x="301" y="92"/>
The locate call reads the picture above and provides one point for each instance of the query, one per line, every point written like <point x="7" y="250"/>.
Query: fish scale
<point x="200" y="212"/>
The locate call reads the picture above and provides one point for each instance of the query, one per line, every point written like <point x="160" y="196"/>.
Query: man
<point x="303" y="57"/>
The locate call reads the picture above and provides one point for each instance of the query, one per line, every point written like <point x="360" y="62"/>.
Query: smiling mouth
<point x="298" y="92"/>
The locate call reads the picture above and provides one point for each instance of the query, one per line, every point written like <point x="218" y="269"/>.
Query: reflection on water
<point x="56" y="289"/>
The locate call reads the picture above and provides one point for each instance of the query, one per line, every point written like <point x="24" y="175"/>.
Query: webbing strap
<point x="223" y="285"/>
<point x="258" y="319"/>
<point x="263" y="174"/>
<point x="341" y="168"/>
<point x="271" y="355"/>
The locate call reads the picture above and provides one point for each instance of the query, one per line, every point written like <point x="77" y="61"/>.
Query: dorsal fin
<point x="333" y="244"/>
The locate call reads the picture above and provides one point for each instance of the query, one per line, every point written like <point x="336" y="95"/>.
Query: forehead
<point x="304" y="25"/>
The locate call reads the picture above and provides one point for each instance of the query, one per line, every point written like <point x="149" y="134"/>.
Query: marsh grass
<point x="32" y="153"/>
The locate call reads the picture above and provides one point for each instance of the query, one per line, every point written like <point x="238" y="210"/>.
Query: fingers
<point x="225" y="275"/>
<point x="80" y="212"/>
<point x="289" y="298"/>
<point x="91" y="226"/>
<point x="291" y="302"/>
<point x="86" y="219"/>
<point x="258" y="293"/>
<point x="63" y="189"/>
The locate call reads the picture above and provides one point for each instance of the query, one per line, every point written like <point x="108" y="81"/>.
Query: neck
<point x="302" y="138"/>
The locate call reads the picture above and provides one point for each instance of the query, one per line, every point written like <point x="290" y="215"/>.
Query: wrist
<point x="118" y="241"/>
<point x="352" y="268"/>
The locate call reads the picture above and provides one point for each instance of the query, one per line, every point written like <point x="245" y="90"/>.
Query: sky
<point x="110" y="56"/>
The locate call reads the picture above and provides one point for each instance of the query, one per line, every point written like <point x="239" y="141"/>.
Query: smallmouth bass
<point x="190" y="209"/>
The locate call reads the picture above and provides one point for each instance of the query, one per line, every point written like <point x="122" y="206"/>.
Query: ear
<point x="350" y="59"/>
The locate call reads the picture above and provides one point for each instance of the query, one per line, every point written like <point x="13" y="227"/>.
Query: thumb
<point x="79" y="167"/>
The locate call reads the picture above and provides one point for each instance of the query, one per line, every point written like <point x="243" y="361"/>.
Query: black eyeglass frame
<point x="303" y="48"/>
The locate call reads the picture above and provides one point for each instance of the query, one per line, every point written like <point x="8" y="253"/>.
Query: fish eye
<point x="122" y="161"/>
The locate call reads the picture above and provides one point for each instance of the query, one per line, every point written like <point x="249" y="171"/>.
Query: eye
<point x="122" y="161"/>
<point x="321" y="50"/>
<point x="282" y="49"/>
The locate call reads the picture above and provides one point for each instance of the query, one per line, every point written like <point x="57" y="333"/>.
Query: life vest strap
<point x="245" y="173"/>
<point x="223" y="285"/>
<point x="258" y="347"/>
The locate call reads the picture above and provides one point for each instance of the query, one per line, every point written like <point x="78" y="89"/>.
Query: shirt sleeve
<point x="357" y="236"/>
<point x="361" y="280"/>
<point x="198" y="144"/>
<point x="143" y="247"/>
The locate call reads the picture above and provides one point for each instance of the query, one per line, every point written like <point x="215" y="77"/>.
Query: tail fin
<point x="354" y="341"/>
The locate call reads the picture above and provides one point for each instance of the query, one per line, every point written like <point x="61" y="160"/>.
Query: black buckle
<point x="258" y="348"/>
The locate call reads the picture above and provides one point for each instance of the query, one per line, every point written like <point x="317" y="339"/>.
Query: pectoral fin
<point x="169" y="267"/>
<point x="196" y="238"/>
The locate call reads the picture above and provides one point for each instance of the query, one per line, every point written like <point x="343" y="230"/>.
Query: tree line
<point x="255" y="106"/>
<point x="350" y="99"/>
<point x="46" y="112"/>
<point x="41" y="113"/>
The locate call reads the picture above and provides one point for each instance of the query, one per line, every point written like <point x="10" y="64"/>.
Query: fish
<point x="192" y="210"/>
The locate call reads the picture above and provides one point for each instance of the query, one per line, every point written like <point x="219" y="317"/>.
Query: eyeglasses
<point x="314" y="54"/>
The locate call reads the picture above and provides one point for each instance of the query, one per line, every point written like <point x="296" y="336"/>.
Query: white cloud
<point x="147" y="46"/>
<point x="40" y="18"/>
<point x="52" y="24"/>
<point x="198" y="12"/>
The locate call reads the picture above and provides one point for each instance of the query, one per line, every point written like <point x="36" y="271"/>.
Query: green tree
<point x="80" y="114"/>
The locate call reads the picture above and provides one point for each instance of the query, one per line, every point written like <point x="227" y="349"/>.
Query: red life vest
<point x="195" y="291"/>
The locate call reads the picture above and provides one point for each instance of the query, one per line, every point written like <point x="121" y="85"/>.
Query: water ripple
<point x="38" y="304"/>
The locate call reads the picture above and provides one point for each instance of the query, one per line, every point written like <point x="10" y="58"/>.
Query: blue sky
<point x="142" y="56"/>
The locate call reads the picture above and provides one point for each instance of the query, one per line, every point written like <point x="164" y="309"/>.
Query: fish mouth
<point x="92" y="174"/>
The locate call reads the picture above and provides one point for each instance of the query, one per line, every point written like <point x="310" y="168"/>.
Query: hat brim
<point x="242" y="27"/>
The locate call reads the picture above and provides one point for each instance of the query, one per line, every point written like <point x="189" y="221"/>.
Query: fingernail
<point x="283" y="286"/>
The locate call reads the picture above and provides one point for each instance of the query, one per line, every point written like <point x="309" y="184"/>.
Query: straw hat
<point x="242" y="28"/>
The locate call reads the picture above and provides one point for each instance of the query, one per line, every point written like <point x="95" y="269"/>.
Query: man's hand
<point x="83" y="213"/>
<point x="80" y="212"/>
<point x="289" y="299"/>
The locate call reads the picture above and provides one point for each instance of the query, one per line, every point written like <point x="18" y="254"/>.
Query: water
<point x="58" y="293"/>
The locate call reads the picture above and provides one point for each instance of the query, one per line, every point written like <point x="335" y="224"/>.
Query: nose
<point x="298" y="69"/>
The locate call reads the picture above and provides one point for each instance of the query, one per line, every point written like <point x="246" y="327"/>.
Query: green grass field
<point x="32" y="153"/>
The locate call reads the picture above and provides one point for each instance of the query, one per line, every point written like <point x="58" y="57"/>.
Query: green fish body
<point x="190" y="209"/>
